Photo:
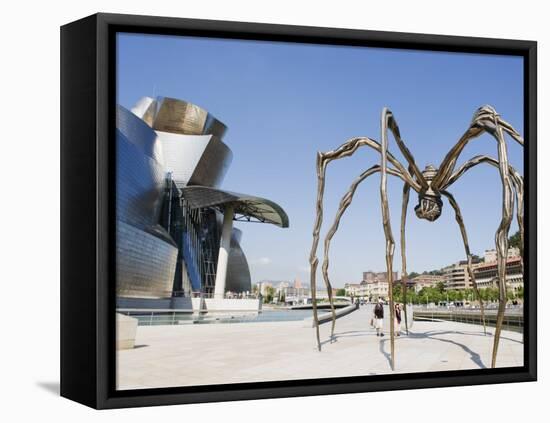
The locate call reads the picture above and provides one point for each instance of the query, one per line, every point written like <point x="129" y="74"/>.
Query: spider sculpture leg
<point x="388" y="122"/>
<point x="390" y="244"/>
<point x="486" y="119"/>
<point x="405" y="203"/>
<point x="460" y="221"/>
<point x="517" y="183"/>
<point x="345" y="202"/>
<point x="345" y="150"/>
<point x="501" y="239"/>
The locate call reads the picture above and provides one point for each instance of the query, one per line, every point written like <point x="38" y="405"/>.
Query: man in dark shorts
<point x="379" y="317"/>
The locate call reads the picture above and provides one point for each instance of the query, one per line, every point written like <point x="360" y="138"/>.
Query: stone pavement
<point x="204" y="354"/>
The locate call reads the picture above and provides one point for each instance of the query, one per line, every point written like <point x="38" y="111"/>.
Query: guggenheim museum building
<point x="174" y="218"/>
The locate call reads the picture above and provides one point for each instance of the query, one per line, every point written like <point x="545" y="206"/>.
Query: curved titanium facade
<point x="181" y="117"/>
<point x="146" y="255"/>
<point x="190" y="140"/>
<point x="195" y="159"/>
<point x="177" y="116"/>
<point x="238" y="272"/>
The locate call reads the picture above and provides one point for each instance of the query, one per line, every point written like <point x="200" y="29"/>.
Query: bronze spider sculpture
<point x="430" y="185"/>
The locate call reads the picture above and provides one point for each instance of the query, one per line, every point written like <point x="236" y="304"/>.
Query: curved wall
<point x="140" y="174"/>
<point x="145" y="264"/>
<point x="146" y="255"/>
<point x="238" y="272"/>
<point x="195" y="159"/>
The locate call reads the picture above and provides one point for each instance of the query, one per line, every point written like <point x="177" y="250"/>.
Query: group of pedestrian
<point x="378" y="318"/>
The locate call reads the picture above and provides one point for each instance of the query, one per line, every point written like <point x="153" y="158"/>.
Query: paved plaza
<point x="204" y="354"/>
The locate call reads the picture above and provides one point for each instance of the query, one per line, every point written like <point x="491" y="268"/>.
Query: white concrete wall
<point x="126" y="328"/>
<point x="196" y="302"/>
<point x="231" y="304"/>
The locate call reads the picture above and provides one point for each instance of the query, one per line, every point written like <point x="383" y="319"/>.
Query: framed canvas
<point x="214" y="247"/>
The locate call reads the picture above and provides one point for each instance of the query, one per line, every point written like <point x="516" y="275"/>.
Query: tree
<point x="515" y="242"/>
<point x="489" y="294"/>
<point x="397" y="294"/>
<point x="413" y="275"/>
<point x="519" y="292"/>
<point x="340" y="292"/>
<point x="269" y="294"/>
<point x="452" y="295"/>
<point x="412" y="297"/>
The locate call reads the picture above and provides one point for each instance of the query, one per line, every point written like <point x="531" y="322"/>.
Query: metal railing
<point x="157" y="317"/>
<point x="513" y="317"/>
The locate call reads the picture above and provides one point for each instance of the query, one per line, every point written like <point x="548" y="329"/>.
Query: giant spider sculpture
<point x="430" y="185"/>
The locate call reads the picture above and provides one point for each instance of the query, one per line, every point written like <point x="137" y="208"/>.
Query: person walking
<point x="379" y="317"/>
<point x="397" y="321"/>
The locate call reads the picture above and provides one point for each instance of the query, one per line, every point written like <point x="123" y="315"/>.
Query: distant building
<point x="370" y="276"/>
<point x="373" y="285"/>
<point x="293" y="295"/>
<point x="486" y="273"/>
<point x="426" y="281"/>
<point x="456" y="276"/>
<point x="352" y="289"/>
<point x="263" y="287"/>
<point x="491" y="255"/>
<point x="282" y="287"/>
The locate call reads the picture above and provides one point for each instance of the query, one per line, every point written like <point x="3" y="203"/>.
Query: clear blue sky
<point x="284" y="102"/>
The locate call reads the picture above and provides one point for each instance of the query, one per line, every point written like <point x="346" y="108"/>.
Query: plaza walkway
<point x="203" y="354"/>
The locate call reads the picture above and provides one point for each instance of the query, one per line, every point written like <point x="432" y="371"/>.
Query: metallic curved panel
<point x="139" y="133"/>
<point x="145" y="264"/>
<point x="236" y="235"/>
<point x="213" y="164"/>
<point x="246" y="205"/>
<point x="145" y="253"/>
<point x="195" y="159"/>
<point x="139" y="184"/>
<point x="146" y="110"/>
<point x="178" y="117"/>
<point x="238" y="272"/>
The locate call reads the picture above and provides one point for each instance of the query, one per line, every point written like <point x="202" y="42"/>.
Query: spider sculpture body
<point x="431" y="185"/>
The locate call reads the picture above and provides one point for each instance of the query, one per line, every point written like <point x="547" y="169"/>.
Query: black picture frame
<point x="87" y="209"/>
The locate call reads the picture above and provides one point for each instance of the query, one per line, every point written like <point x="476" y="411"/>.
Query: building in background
<point x="426" y="281"/>
<point x="376" y="284"/>
<point x="373" y="286"/>
<point x="490" y="256"/>
<point x="486" y="273"/>
<point x="293" y="293"/>
<point x="174" y="222"/>
<point x="456" y="275"/>
<point x="264" y="287"/>
<point x="353" y="289"/>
